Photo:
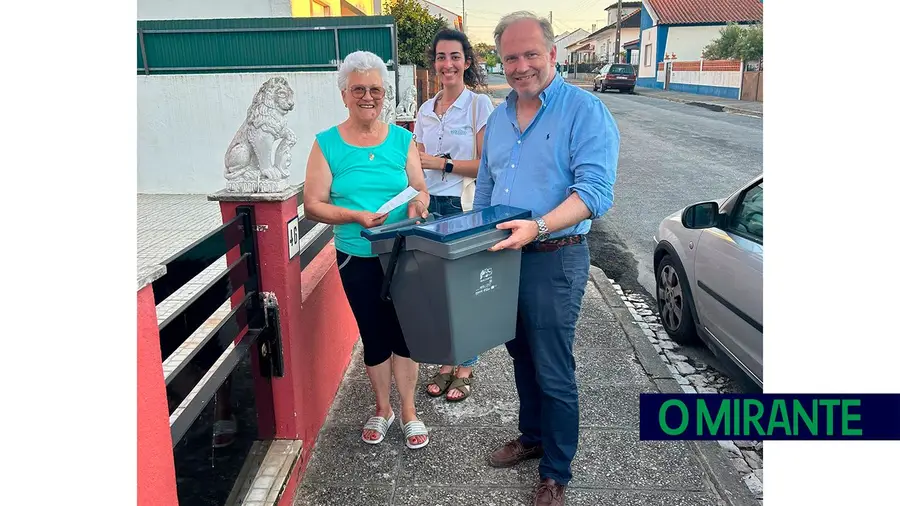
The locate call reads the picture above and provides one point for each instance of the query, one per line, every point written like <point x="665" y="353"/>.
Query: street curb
<point x="723" y="476"/>
<point x="700" y="103"/>
<point x="646" y="354"/>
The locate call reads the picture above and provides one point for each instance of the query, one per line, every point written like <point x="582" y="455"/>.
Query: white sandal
<point x="380" y="425"/>
<point x="415" y="428"/>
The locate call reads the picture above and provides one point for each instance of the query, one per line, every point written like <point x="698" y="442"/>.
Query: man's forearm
<point x="571" y="212"/>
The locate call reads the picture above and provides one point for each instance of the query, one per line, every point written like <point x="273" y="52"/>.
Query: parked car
<point x="708" y="264"/>
<point x="617" y="76"/>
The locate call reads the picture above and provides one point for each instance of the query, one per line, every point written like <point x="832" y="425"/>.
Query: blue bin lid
<point x="390" y="231"/>
<point x="468" y="224"/>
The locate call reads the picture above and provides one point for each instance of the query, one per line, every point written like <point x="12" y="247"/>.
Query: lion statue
<point x="388" y="111"/>
<point x="407" y="107"/>
<point x="250" y="153"/>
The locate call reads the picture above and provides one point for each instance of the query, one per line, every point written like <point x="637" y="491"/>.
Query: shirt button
<point x="514" y="166"/>
<point x="518" y="142"/>
<point x="506" y="190"/>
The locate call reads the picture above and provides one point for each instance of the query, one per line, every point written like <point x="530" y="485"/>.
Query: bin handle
<point x="399" y="242"/>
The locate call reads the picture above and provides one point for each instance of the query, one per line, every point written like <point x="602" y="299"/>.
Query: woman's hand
<point x="417" y="209"/>
<point x="432" y="162"/>
<point x="369" y="220"/>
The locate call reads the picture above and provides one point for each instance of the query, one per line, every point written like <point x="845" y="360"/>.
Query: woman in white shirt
<point x="449" y="132"/>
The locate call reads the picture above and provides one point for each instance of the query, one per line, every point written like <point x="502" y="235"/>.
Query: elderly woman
<point x="354" y="168"/>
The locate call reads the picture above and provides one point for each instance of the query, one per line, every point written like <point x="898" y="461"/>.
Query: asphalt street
<point x="671" y="155"/>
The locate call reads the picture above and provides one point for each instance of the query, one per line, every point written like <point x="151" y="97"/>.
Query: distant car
<point x="616" y="76"/>
<point x="708" y="265"/>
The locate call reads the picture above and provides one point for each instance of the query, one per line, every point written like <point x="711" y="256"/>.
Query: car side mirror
<point x="702" y="215"/>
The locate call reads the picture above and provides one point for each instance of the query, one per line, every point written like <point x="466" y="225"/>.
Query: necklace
<point x="372" y="154"/>
<point x="444" y="108"/>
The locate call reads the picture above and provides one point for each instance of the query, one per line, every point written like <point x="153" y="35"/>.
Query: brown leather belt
<point x="553" y="244"/>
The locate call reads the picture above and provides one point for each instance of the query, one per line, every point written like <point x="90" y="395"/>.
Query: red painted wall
<point x="156" y="464"/>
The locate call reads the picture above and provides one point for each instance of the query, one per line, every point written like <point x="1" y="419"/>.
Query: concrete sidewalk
<point x="710" y="102"/>
<point x="616" y="362"/>
<point x="715" y="103"/>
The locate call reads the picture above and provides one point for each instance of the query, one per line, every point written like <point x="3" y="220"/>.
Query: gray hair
<point x="361" y="61"/>
<point x="509" y="19"/>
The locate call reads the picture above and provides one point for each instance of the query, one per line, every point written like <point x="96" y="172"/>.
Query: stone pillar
<point x="156" y="462"/>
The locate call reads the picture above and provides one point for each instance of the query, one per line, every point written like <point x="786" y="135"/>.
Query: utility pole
<point x="551" y="18"/>
<point x="464" y="16"/>
<point x="618" y="31"/>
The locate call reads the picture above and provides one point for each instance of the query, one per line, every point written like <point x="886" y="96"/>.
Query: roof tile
<point x="679" y="12"/>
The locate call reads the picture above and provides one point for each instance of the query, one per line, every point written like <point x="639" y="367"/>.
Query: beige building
<point x="600" y="47"/>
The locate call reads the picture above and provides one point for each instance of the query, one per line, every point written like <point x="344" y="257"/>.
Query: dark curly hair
<point x="473" y="76"/>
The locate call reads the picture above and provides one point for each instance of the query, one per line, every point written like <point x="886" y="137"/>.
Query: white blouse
<point x="451" y="135"/>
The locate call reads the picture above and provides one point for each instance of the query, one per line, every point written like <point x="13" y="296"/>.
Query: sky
<point x="568" y="15"/>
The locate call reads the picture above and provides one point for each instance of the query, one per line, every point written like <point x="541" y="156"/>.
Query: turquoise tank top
<point x="364" y="179"/>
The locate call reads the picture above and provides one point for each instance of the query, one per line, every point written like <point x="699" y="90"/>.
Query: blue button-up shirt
<point x="571" y="145"/>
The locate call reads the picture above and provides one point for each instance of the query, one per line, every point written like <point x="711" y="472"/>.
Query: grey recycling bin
<point x="454" y="299"/>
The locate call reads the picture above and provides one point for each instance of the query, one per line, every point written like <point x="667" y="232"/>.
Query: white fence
<point x="721" y="78"/>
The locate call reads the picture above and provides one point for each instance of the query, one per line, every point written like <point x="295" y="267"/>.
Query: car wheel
<point x="673" y="300"/>
<point x="595" y="86"/>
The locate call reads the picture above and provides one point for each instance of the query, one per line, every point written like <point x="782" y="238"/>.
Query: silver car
<point x="709" y="276"/>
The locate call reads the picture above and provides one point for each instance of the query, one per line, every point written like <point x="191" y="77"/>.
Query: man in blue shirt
<point x="552" y="148"/>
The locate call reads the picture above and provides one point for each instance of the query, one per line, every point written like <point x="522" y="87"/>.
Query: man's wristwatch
<point x="543" y="231"/>
<point x="448" y="165"/>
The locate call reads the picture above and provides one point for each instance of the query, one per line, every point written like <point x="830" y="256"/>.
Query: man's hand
<point x="369" y="220"/>
<point x="523" y="232"/>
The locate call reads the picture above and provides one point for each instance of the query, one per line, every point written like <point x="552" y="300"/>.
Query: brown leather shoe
<point x="514" y="452"/>
<point x="550" y="493"/>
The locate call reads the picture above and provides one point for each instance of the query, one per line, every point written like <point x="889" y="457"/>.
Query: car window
<point x="748" y="216"/>
<point x="605" y="69"/>
<point x="621" y="69"/>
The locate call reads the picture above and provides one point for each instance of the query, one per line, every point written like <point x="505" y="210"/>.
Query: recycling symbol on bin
<point x="486" y="274"/>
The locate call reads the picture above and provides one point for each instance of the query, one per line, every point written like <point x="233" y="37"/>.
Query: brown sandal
<point x="464" y="385"/>
<point x="443" y="382"/>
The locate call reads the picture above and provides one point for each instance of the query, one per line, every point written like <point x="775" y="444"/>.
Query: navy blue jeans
<point x="445" y="205"/>
<point x="551" y="288"/>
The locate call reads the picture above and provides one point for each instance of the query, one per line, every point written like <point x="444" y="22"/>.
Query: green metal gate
<point x="192" y="46"/>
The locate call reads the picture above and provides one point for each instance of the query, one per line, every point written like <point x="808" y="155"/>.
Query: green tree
<point x="416" y="29"/>
<point x="752" y="44"/>
<point x="737" y="42"/>
<point x="483" y="49"/>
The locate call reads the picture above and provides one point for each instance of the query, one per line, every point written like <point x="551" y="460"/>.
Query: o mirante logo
<point x="770" y="416"/>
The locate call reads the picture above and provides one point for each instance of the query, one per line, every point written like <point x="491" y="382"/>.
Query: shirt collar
<point x="462" y="102"/>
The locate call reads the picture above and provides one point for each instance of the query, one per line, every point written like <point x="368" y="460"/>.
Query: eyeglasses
<point x="376" y="92"/>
